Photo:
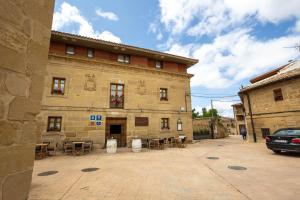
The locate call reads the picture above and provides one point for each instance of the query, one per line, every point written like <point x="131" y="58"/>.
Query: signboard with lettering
<point x="141" y="121"/>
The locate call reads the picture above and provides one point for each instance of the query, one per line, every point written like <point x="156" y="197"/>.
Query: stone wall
<point x="24" y="42"/>
<point x="270" y="114"/>
<point x="141" y="99"/>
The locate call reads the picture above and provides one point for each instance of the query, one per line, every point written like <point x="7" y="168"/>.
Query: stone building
<point x="272" y="101"/>
<point x="239" y="117"/>
<point x="229" y="124"/>
<point x="24" y="43"/>
<point x="212" y="128"/>
<point x="96" y="90"/>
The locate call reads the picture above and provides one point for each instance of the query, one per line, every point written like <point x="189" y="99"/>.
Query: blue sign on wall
<point x="92" y="117"/>
<point x="98" y="123"/>
<point x="98" y="117"/>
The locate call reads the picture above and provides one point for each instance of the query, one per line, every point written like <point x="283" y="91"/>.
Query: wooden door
<point x="116" y="128"/>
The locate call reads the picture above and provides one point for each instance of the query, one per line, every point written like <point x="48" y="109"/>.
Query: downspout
<point x="251" y="117"/>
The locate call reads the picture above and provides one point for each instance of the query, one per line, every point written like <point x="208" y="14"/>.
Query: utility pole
<point x="212" y="119"/>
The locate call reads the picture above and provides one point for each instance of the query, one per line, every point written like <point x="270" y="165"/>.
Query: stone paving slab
<point x="172" y="174"/>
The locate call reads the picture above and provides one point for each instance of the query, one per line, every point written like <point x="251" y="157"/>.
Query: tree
<point x="195" y="114"/>
<point x="210" y="112"/>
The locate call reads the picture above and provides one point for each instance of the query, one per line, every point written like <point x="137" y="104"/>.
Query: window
<point x="116" y="96"/>
<point x="179" y="125"/>
<point x="163" y="94"/>
<point x="158" y="65"/>
<point x="164" y="123"/>
<point x="58" y="86"/>
<point x="70" y="50"/>
<point x="90" y="53"/>
<point x="278" y="95"/>
<point x="265" y="132"/>
<point x="123" y="58"/>
<point x="54" y="124"/>
<point x="141" y="121"/>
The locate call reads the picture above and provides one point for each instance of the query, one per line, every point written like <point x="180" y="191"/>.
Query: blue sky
<point x="233" y="40"/>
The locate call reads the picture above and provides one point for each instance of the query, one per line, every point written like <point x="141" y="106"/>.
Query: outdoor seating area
<point x="70" y="147"/>
<point x="162" y="143"/>
<point x="78" y="147"/>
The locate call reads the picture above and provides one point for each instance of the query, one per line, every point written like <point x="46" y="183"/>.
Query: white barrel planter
<point x="111" y="146"/>
<point x="136" y="145"/>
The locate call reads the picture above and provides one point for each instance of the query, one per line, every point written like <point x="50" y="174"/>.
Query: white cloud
<point x="235" y="56"/>
<point x="214" y="16"/>
<point x="224" y="108"/>
<point x="70" y="15"/>
<point x="107" y="15"/>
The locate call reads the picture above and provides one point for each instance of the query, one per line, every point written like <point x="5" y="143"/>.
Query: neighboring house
<point x="272" y="101"/>
<point x="239" y="117"/>
<point x="229" y="124"/>
<point x="208" y="128"/>
<point x="96" y="90"/>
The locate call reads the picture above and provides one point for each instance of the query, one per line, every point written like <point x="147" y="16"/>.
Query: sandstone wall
<point x="24" y="42"/>
<point x="142" y="99"/>
<point x="271" y="114"/>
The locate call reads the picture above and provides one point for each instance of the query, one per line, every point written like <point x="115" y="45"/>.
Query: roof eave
<point x="120" y="48"/>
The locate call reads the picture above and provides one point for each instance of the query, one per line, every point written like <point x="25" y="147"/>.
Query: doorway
<point x="116" y="128"/>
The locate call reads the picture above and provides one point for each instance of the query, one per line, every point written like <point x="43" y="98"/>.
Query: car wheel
<point x="276" y="151"/>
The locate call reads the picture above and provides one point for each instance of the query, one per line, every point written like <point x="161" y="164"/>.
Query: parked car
<point x="287" y="139"/>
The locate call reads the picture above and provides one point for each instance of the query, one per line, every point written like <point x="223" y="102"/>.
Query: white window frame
<point x="70" y="50"/>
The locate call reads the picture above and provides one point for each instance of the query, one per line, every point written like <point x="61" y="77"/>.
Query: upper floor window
<point x="58" y="86"/>
<point x="54" y="124"/>
<point x="124" y="58"/>
<point x="164" y="123"/>
<point x="163" y="94"/>
<point x="116" y="95"/>
<point x="158" y="65"/>
<point x="90" y="53"/>
<point x="278" y="95"/>
<point x="70" y="50"/>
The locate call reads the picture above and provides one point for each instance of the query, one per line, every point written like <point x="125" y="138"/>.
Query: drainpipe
<point x="251" y="117"/>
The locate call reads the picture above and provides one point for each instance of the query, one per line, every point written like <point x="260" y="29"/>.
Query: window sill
<point x="58" y="95"/>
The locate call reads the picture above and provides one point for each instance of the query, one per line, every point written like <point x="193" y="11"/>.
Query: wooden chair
<point x="161" y="144"/>
<point x="68" y="147"/>
<point x="172" y="142"/>
<point x="181" y="142"/>
<point x="87" y="146"/>
<point x="151" y="144"/>
<point x="52" y="146"/>
<point x="145" y="143"/>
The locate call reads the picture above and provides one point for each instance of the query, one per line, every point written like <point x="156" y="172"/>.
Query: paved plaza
<point x="172" y="173"/>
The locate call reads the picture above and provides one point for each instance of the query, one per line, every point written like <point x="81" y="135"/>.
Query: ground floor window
<point x="165" y="123"/>
<point x="54" y="124"/>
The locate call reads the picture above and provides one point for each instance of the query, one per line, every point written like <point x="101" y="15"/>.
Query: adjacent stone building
<point x="239" y="117"/>
<point x="96" y="90"/>
<point x="24" y="42"/>
<point x="272" y="101"/>
<point x="213" y="128"/>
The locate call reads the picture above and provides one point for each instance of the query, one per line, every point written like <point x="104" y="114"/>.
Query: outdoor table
<point x="41" y="150"/>
<point x="77" y="147"/>
<point x="156" y="143"/>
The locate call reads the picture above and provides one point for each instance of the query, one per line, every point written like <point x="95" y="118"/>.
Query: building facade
<point x="239" y="118"/>
<point x="96" y="90"/>
<point x="272" y="101"/>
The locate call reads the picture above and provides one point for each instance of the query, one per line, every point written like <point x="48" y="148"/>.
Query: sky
<point x="233" y="40"/>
